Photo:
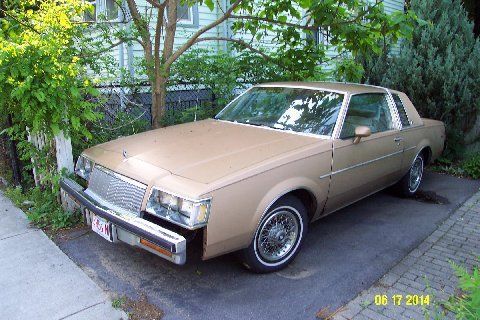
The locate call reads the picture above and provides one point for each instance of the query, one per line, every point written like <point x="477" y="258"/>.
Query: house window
<point x="91" y="13"/>
<point x="103" y="10"/>
<point x="322" y="36"/>
<point x="111" y="10"/>
<point x="186" y="15"/>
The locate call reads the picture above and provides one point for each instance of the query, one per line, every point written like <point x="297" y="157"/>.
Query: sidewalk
<point x="424" y="271"/>
<point x="38" y="281"/>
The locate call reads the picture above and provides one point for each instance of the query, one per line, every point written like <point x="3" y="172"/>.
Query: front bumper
<point x="129" y="228"/>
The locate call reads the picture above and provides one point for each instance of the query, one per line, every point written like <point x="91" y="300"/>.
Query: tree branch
<point x="156" y="4"/>
<point x="143" y="29"/>
<point x="19" y="22"/>
<point x="170" y="31"/>
<point x="113" y="45"/>
<point x="201" y="31"/>
<point x="238" y="41"/>
<point x="158" y="34"/>
<point x="288" y="24"/>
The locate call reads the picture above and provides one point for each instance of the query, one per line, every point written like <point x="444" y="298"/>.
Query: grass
<point x="43" y="208"/>
<point x="118" y="303"/>
<point x="467" y="168"/>
<point x="138" y="309"/>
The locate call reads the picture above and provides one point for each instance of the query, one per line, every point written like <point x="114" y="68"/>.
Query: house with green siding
<point x="190" y="20"/>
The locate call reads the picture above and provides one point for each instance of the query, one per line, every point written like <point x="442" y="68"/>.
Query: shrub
<point x="438" y="69"/>
<point x="466" y="305"/>
<point x="472" y="166"/>
<point x="41" y="207"/>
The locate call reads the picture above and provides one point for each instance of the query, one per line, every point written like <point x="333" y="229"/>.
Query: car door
<point x="372" y="164"/>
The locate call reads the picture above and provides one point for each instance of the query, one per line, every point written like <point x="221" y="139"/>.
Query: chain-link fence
<point x="137" y="101"/>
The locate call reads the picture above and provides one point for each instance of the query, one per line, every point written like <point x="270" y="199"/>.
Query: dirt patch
<point x="139" y="309"/>
<point x="326" y="314"/>
<point x="66" y="234"/>
<point x="430" y="197"/>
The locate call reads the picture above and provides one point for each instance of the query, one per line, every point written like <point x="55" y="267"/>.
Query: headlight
<point x="191" y="214"/>
<point x="84" y="167"/>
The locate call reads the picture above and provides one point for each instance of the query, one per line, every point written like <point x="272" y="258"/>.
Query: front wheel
<point x="278" y="237"/>
<point x="410" y="183"/>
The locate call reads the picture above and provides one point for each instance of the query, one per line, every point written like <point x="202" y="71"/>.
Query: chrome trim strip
<point x="410" y="148"/>
<point x="361" y="164"/>
<point x="412" y="127"/>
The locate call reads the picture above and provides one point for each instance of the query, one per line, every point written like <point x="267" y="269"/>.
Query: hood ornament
<point x="125" y="154"/>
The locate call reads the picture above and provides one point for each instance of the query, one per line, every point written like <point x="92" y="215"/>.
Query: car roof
<point x="344" y="87"/>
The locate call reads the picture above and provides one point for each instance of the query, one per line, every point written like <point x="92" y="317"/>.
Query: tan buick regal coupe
<point x="278" y="157"/>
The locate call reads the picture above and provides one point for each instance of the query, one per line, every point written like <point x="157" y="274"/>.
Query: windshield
<point x="296" y="109"/>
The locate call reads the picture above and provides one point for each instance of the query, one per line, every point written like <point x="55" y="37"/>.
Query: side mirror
<point x="361" y="132"/>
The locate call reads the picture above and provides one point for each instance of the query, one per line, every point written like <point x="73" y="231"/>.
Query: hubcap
<point x="416" y="172"/>
<point x="278" y="235"/>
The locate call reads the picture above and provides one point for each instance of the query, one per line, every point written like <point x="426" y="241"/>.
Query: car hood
<point x="202" y="151"/>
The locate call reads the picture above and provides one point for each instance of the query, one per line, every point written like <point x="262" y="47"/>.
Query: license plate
<point x="102" y="227"/>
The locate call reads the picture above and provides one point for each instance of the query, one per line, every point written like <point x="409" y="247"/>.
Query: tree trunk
<point x="159" y="99"/>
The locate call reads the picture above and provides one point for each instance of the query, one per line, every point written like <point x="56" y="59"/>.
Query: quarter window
<point x="402" y="113"/>
<point x="371" y="110"/>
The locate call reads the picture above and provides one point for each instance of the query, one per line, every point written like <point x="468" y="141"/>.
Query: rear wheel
<point x="278" y="237"/>
<point x="410" y="183"/>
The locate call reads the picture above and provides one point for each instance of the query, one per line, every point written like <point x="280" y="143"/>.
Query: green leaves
<point x="348" y="28"/>
<point x="438" y="67"/>
<point x="43" y="83"/>
<point x="466" y="305"/>
<point x="210" y="4"/>
<point x="40" y="95"/>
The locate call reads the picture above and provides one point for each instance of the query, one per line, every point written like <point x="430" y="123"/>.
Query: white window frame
<point x="186" y="21"/>
<point x="94" y="16"/>
<point x="102" y="12"/>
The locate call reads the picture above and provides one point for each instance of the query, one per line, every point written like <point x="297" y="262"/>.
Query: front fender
<point x="237" y="209"/>
<point x="284" y="187"/>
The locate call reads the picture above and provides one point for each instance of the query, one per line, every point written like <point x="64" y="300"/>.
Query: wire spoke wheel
<point x="278" y="236"/>
<point x="416" y="172"/>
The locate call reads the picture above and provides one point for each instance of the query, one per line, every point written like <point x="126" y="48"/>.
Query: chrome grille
<point x="116" y="190"/>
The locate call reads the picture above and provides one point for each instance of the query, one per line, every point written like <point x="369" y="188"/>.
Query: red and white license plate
<point x="102" y="227"/>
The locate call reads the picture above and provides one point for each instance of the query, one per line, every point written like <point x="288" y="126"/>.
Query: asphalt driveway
<point x="343" y="254"/>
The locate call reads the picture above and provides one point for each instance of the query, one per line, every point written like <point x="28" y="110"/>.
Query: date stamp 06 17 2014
<point x="402" y="300"/>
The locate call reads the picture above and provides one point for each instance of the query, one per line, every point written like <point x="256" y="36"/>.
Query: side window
<point x="401" y="110"/>
<point x="371" y="110"/>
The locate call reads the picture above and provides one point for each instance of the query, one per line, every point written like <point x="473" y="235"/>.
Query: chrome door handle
<point x="398" y="139"/>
